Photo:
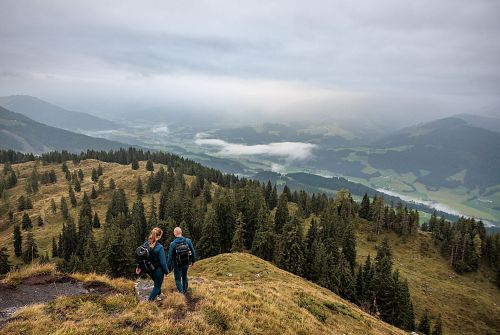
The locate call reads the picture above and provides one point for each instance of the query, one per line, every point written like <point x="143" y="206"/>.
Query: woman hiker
<point x="160" y="262"/>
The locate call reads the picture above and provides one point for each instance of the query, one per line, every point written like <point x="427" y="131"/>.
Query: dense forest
<point x="310" y="235"/>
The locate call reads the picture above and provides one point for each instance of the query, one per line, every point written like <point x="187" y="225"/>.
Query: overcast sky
<point x="414" y="59"/>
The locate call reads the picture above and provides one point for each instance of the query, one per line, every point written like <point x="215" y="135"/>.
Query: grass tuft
<point x="16" y="277"/>
<point x="311" y="306"/>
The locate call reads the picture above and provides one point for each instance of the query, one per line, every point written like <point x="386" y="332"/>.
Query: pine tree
<point x="317" y="257"/>
<point x="26" y="221"/>
<point x="100" y="185"/>
<point x="80" y="175"/>
<point x="54" y="247"/>
<point x="95" y="176"/>
<point x="281" y="215"/>
<point x="39" y="221"/>
<point x="153" y="221"/>
<point x="72" y="197"/>
<point x="424" y="326"/>
<point x="28" y="204"/>
<point x="96" y="223"/>
<point x="93" y="193"/>
<point x="86" y="209"/>
<point x="99" y="170"/>
<point x="273" y="198"/>
<point x="264" y="240"/>
<point x="377" y="214"/>
<point x="118" y="247"/>
<point x="291" y="254"/>
<point x="207" y="194"/>
<point x="90" y="262"/>
<point x="64" y="208"/>
<point x="438" y="327"/>
<point x="135" y="164"/>
<point x="69" y="240"/>
<point x="21" y="203"/>
<point x="149" y="165"/>
<point x="18" y="240"/>
<point x="77" y="185"/>
<point x="139" y="222"/>
<point x="4" y="261"/>
<point x="139" y="190"/>
<point x="225" y="216"/>
<point x="112" y="184"/>
<point x="30" y="249"/>
<point x="210" y="238"/>
<point x="349" y="247"/>
<point x="364" y="211"/>
<point x="53" y="206"/>
<point x="238" y="244"/>
<point x="383" y="282"/>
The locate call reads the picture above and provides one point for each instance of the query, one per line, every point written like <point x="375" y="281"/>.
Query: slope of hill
<point x="52" y="115"/>
<point x="20" y="133"/>
<point x="230" y="294"/>
<point x="464" y="301"/>
<point x="450" y="151"/>
<point x="467" y="303"/>
<point x="486" y="122"/>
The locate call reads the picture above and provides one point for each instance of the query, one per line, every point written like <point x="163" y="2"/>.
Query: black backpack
<point x="183" y="254"/>
<point x="145" y="258"/>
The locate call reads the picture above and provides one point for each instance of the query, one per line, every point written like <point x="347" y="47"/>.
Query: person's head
<point x="154" y="236"/>
<point x="177" y="232"/>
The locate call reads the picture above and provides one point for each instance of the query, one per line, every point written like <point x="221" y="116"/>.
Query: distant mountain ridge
<point x="486" y="122"/>
<point x="20" y="133"/>
<point x="52" y="115"/>
<point x="450" y="150"/>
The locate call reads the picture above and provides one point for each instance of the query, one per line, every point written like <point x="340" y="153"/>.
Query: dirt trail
<point x="144" y="286"/>
<point x="42" y="289"/>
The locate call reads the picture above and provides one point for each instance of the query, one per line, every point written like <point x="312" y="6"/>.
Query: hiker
<point x="181" y="254"/>
<point x="159" y="263"/>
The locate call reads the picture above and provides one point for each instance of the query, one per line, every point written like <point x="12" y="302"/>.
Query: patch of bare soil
<point x="42" y="289"/>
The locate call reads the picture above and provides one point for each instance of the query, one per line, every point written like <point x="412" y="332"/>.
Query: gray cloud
<point x="272" y="58"/>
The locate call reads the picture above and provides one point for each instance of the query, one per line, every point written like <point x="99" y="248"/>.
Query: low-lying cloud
<point x="287" y="150"/>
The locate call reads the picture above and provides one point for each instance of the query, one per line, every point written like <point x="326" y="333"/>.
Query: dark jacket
<point x="160" y="258"/>
<point x="171" y="250"/>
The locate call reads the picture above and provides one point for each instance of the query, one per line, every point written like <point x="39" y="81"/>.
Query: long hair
<point x="155" y="235"/>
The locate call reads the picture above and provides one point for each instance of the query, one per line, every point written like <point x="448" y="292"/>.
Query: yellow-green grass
<point x="469" y="304"/>
<point x="231" y="294"/>
<point x="124" y="178"/>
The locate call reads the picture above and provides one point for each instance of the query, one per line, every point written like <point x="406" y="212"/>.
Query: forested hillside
<point x="87" y="212"/>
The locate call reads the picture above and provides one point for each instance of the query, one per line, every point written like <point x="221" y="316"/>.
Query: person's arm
<point x="193" y="252"/>
<point x="170" y="255"/>
<point x="163" y="260"/>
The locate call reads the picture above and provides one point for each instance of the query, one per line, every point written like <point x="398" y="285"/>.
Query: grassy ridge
<point x="230" y="293"/>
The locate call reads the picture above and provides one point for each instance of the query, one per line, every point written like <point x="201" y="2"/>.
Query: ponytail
<point x="154" y="236"/>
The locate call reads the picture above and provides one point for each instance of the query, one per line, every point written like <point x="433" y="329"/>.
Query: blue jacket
<point x="171" y="250"/>
<point x="159" y="254"/>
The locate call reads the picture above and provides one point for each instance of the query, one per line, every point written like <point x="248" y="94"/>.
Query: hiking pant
<point x="157" y="277"/>
<point x="181" y="277"/>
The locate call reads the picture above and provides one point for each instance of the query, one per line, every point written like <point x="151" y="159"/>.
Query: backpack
<point x="145" y="258"/>
<point x="183" y="254"/>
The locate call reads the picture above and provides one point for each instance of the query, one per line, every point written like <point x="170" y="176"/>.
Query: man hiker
<point x="181" y="254"/>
